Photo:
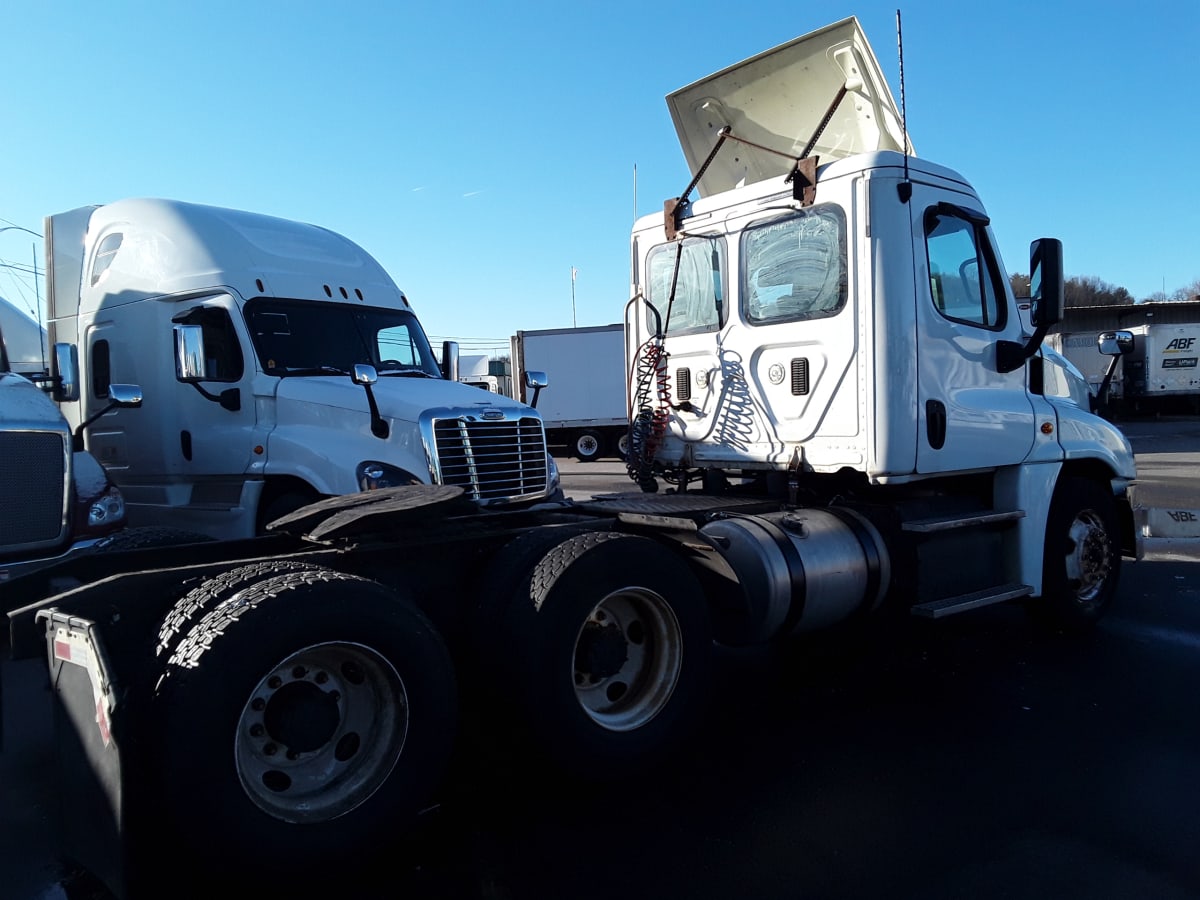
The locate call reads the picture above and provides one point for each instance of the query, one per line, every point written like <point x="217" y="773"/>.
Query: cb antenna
<point x="905" y="187"/>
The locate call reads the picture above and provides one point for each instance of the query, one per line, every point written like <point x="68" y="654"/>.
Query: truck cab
<point x="832" y="318"/>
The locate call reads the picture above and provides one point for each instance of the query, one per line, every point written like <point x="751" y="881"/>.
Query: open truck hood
<point x="778" y="98"/>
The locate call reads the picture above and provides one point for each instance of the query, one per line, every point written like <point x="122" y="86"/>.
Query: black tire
<point x="621" y="445"/>
<point x="302" y="727"/>
<point x="612" y="648"/>
<point x="147" y="537"/>
<point x="1082" y="558"/>
<point x="496" y="592"/>
<point x="212" y="593"/>
<point x="588" y="445"/>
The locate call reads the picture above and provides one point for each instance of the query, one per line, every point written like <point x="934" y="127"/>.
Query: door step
<point x="938" y="609"/>
<point x="971" y="520"/>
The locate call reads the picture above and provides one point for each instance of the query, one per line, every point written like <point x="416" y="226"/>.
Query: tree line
<point x="1088" y="290"/>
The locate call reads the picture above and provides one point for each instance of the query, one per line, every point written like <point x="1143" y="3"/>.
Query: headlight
<point x="102" y="514"/>
<point x="553" y="479"/>
<point x="372" y="475"/>
<point x="108" y="509"/>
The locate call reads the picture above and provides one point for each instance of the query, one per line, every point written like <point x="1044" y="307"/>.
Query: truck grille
<point x="499" y="461"/>
<point x="32" y="491"/>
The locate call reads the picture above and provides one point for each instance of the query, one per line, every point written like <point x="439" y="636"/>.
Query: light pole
<point x="574" y="273"/>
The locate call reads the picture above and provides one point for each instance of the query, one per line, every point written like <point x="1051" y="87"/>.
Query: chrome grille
<point x="32" y="502"/>
<point x="494" y="461"/>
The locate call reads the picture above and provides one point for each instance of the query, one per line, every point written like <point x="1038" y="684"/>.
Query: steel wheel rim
<point x="587" y="445"/>
<point x="1088" y="560"/>
<point x="321" y="732"/>
<point x="624" y="694"/>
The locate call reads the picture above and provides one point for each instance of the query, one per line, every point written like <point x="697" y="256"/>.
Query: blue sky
<point x="482" y="150"/>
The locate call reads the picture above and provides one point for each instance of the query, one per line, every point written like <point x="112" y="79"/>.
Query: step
<point x="970" y="520"/>
<point x="937" y="609"/>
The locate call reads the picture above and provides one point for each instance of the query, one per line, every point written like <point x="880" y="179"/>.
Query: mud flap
<point x="87" y="739"/>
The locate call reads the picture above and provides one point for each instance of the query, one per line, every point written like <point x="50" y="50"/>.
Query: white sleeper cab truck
<point x="281" y="364"/>
<point x="831" y="323"/>
<point x="836" y="414"/>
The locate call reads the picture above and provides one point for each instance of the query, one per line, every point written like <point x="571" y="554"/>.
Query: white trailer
<point x="247" y="333"/>
<point x="24" y="339"/>
<point x="1163" y="363"/>
<point x="1080" y="347"/>
<point x="584" y="405"/>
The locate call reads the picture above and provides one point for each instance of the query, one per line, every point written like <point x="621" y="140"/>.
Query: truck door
<point x="217" y="432"/>
<point x="971" y="415"/>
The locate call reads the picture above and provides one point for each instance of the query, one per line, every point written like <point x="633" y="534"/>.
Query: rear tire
<point x="212" y="593"/>
<point x="612" y="647"/>
<point x="1082" y="557"/>
<point x="305" y="722"/>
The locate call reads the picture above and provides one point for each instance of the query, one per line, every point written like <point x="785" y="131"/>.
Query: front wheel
<point x="306" y="720"/>
<point x="613" y="649"/>
<point x="1082" y="556"/>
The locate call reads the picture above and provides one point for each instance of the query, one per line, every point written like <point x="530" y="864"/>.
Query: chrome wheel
<point x="321" y="732"/>
<point x="627" y="659"/>
<point x="1088" y="561"/>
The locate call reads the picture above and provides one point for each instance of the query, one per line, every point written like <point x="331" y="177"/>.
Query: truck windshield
<point x="298" y="337"/>
<point x="695" y="270"/>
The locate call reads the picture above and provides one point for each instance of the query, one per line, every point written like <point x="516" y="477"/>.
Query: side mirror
<point x="1046" y="284"/>
<point x="190" y="365"/>
<point x="364" y="374"/>
<point x="65" y="373"/>
<point x="450" y="360"/>
<point x="535" y="381"/>
<point x="125" y="396"/>
<point x="120" y="396"/>
<point x="1115" y="343"/>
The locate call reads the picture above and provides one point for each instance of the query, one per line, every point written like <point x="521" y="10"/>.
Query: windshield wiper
<point x="406" y="373"/>
<point x="313" y="370"/>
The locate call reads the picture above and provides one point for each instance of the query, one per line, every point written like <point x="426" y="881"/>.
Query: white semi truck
<point x="837" y="415"/>
<point x="245" y="331"/>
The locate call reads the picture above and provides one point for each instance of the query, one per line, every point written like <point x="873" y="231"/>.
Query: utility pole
<point x="574" y="273"/>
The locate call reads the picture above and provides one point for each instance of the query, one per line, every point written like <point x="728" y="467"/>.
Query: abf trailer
<point x="829" y="370"/>
<point x="1162" y="365"/>
<point x="585" y="405"/>
<point x="245" y="331"/>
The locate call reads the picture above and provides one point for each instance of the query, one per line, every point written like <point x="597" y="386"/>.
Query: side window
<point x="794" y="267"/>
<point x="396" y="348"/>
<point x="221" y="348"/>
<point x="105" y="253"/>
<point x="101" y="370"/>
<point x="963" y="277"/>
<point x="695" y="267"/>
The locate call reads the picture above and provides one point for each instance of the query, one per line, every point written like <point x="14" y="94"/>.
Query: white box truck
<point x="584" y="406"/>
<point x="245" y="332"/>
<point x="829" y="373"/>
